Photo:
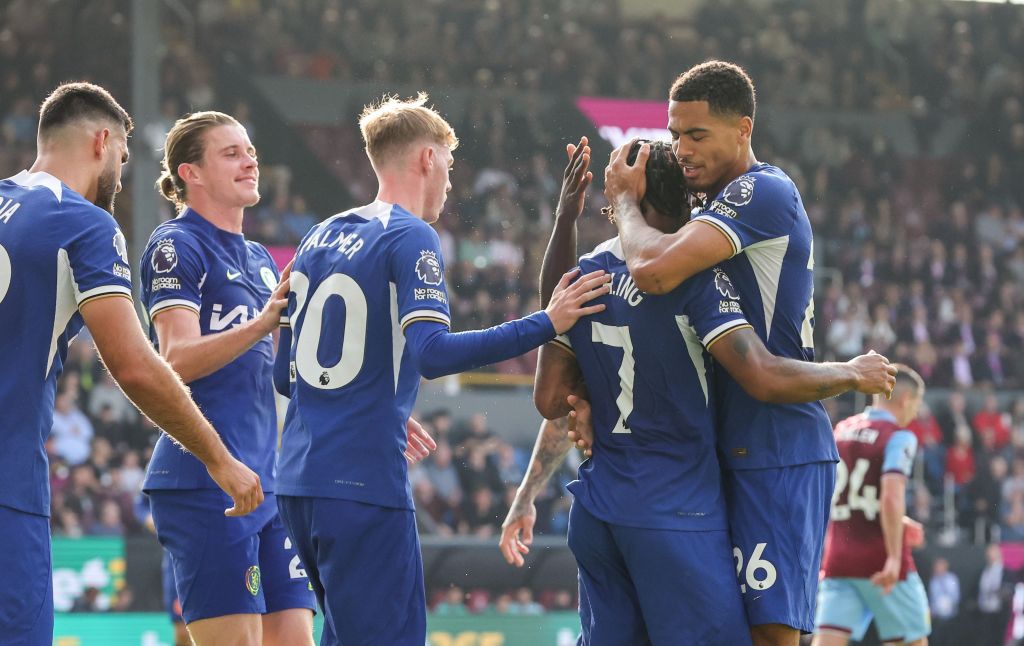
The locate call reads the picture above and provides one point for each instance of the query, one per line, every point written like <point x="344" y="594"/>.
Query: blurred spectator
<point x="72" y="431"/>
<point x="944" y="600"/>
<point x="995" y="589"/>
<point x="452" y="605"/>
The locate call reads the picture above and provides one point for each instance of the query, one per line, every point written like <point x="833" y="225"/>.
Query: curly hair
<point x="666" y="187"/>
<point x="725" y="86"/>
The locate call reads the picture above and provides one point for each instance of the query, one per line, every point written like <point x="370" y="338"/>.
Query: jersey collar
<point x="879" y="414"/>
<point x="31" y="180"/>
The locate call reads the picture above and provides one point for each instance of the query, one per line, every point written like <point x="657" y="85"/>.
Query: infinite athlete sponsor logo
<point x="740" y="191"/>
<point x="428" y="268"/>
<point x="165" y="256"/>
<point x="252" y="580"/>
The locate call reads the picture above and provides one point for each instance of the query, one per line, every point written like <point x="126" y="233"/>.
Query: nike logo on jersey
<point x="233" y="274"/>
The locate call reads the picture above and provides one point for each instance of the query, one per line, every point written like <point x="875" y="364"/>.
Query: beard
<point x="106" y="191"/>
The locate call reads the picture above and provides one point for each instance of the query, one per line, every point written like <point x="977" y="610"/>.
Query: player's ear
<point x="427" y="159"/>
<point x="100" y="141"/>
<point x="188" y="174"/>
<point x="746" y="126"/>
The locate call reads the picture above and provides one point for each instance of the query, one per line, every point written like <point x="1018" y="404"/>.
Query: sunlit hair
<point x="391" y="124"/>
<point x="71" y="102"/>
<point x="185" y="144"/>
<point x="666" y="187"/>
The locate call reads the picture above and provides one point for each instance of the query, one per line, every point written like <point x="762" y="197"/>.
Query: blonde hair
<point x="185" y="144"/>
<point x="389" y="125"/>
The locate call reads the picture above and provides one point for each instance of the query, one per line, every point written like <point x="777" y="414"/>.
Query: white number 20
<point x="754" y="565"/>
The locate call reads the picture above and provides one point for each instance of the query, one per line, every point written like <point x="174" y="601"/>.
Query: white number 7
<point x="617" y="336"/>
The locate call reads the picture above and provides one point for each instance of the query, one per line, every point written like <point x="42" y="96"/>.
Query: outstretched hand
<point x="567" y="301"/>
<point x="575" y="181"/>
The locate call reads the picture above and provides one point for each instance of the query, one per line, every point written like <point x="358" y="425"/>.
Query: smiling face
<point x="713" y="149"/>
<point x="229" y="171"/>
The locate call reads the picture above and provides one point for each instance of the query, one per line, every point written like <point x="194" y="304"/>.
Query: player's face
<point x="711" y="148"/>
<point x="658" y="220"/>
<point x="108" y="185"/>
<point x="229" y="173"/>
<point x="438" y="182"/>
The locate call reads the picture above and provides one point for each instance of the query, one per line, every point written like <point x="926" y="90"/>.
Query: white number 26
<point x="754" y="565"/>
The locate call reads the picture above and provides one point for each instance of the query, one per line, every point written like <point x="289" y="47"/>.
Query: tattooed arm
<point x="548" y="454"/>
<point x="778" y="380"/>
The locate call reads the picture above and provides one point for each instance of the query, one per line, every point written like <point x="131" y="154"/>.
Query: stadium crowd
<point x="922" y="260"/>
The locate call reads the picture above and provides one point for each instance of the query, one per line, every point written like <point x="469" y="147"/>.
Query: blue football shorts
<point x="226" y="566"/>
<point x="777" y="519"/>
<point x="26" y="601"/>
<point x="364" y="565"/>
<point x="654" y="586"/>
<point x="849" y="605"/>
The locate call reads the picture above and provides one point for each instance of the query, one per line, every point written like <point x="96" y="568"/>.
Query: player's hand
<point x="566" y="304"/>
<point x="625" y="183"/>
<point x="575" y="181"/>
<point x="888" y="576"/>
<point x="581" y="431"/>
<point x="270" y="317"/>
<point x="239" y="482"/>
<point x="418" y="444"/>
<point x="913" y="533"/>
<point x="875" y="375"/>
<point x="517" y="531"/>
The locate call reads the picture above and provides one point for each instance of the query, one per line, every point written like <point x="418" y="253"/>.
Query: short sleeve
<point x="98" y="258"/>
<point x="899" y="453"/>
<point x="417" y="269"/>
<point x="752" y="208"/>
<point x="173" y="271"/>
<point x="713" y="306"/>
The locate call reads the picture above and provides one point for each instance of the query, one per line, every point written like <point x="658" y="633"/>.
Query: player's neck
<point x="743" y="164"/>
<point x="226" y="218"/>
<point x="404" y="190"/>
<point x="76" y="175"/>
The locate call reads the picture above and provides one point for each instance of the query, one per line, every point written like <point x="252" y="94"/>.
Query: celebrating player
<point x="64" y="264"/>
<point x="369" y="317"/>
<point x="754" y="226"/>
<point x="869" y="571"/>
<point x="214" y="299"/>
<point x="772" y="378"/>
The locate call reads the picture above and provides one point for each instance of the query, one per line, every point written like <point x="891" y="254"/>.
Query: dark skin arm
<point x="558" y="376"/>
<point x="658" y="262"/>
<point x="560" y="255"/>
<point x="778" y="380"/>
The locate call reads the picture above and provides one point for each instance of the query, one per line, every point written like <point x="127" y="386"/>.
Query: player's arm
<point x="560" y="255"/>
<point x="558" y="376"/>
<point x="282" y="360"/>
<point x="899" y="461"/>
<point x="193" y="355"/>
<point x="549" y="452"/>
<point x="658" y="262"/>
<point x="780" y="380"/>
<point x="151" y="385"/>
<point x="437" y="352"/>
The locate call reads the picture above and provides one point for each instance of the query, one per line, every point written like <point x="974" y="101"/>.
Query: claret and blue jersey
<point x="763" y="217"/>
<point x="649" y="378"/>
<point x="57" y="251"/>
<point x="226" y="280"/>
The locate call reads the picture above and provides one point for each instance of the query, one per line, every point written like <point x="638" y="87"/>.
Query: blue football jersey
<point x="648" y="374"/>
<point x="762" y="215"/>
<point x="225" y="279"/>
<point x="57" y="251"/>
<point x="360" y="277"/>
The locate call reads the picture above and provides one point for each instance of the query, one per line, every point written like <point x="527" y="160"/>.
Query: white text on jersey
<point x="239" y="314"/>
<point x="346" y="244"/>
<point x="626" y="289"/>
<point x="7" y="209"/>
